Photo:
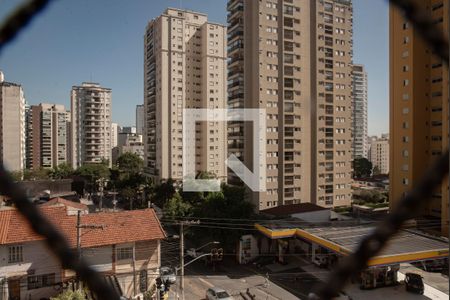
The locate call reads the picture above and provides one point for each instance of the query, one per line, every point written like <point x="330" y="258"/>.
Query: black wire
<point x="19" y="20"/>
<point x="425" y="26"/>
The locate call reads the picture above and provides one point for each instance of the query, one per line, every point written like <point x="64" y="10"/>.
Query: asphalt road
<point x="236" y="279"/>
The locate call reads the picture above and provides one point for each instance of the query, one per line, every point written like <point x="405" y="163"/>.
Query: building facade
<point x="360" y="112"/>
<point x="12" y="125"/>
<point x="46" y="136"/>
<point x="91" y="124"/>
<point x="418" y="110"/>
<point x="129" y="143"/>
<point x="294" y="59"/>
<point x="185" y="67"/>
<point x="125" y="249"/>
<point x="115" y="128"/>
<point x="140" y="122"/>
<point x="379" y="154"/>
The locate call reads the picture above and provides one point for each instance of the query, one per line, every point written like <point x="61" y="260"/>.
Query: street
<point x="236" y="279"/>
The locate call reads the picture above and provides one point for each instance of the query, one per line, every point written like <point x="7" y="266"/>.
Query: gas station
<point x="326" y="245"/>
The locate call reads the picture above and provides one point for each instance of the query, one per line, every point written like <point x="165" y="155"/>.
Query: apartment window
<point x="405" y="181"/>
<point x="405" y="25"/>
<point x="40" y="281"/>
<point x="124" y="253"/>
<point x="405" y="111"/>
<point x="405" y="82"/>
<point x="405" y="153"/>
<point x="15" y="254"/>
<point x="405" y="96"/>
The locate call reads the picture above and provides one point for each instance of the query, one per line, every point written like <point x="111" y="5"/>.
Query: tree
<point x="164" y="192"/>
<point x="177" y="207"/>
<point x="62" y="171"/>
<point x="130" y="164"/>
<point x="362" y="167"/>
<point x="376" y="171"/>
<point x="16" y="175"/>
<point x="70" y="295"/>
<point x="38" y="174"/>
<point x="94" y="172"/>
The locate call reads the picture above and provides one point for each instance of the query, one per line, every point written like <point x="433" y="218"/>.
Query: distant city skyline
<point x="111" y="53"/>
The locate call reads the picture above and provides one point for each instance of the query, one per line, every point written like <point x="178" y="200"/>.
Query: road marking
<point x="206" y="282"/>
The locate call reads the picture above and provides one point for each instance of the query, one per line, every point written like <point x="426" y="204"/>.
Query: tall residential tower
<point x="91" y="124"/>
<point x="418" y="111"/>
<point x="12" y="125"/>
<point x="294" y="58"/>
<point x="185" y="67"/>
<point x="46" y="136"/>
<point x="360" y="146"/>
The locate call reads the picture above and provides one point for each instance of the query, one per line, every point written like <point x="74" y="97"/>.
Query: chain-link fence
<point x="408" y="207"/>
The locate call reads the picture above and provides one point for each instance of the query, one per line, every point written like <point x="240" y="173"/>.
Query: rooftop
<point x="405" y="246"/>
<point x="118" y="227"/>
<point x="65" y="202"/>
<point x="286" y="210"/>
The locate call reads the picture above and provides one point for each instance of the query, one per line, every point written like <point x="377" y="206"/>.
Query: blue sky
<point x="102" y="41"/>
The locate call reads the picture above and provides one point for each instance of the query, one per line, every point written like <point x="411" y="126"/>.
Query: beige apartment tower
<point x="294" y="58"/>
<point x="90" y="124"/>
<point x="185" y="67"/>
<point x="46" y="136"/>
<point x="12" y="125"/>
<point x="418" y="112"/>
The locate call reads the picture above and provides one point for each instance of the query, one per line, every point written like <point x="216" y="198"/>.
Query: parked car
<point x="414" y="283"/>
<point x="216" y="293"/>
<point x="167" y="274"/>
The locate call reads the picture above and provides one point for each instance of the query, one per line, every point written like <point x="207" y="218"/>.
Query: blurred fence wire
<point x="69" y="258"/>
<point x="408" y="207"/>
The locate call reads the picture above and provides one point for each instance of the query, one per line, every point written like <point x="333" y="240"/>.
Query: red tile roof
<point x="118" y="227"/>
<point x="56" y="201"/>
<point x="285" y="210"/>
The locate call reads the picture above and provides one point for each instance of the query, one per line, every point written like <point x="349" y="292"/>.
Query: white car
<point x="167" y="274"/>
<point x="216" y="293"/>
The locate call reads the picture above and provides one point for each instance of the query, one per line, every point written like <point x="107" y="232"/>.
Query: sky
<point x="102" y="41"/>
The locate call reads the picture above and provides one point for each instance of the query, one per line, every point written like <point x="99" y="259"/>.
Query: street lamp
<point x="193" y="252"/>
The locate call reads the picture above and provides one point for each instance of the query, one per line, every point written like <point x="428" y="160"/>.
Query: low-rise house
<point x="124" y="246"/>
<point x="71" y="206"/>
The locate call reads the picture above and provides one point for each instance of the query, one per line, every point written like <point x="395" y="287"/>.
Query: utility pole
<point x="79" y="227"/>
<point x="182" y="223"/>
<point x="182" y="258"/>
<point x="134" y="269"/>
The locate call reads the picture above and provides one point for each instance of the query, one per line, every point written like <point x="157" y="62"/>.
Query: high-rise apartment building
<point x="294" y="58"/>
<point x="360" y="112"/>
<point x="140" y="122"/>
<point x="418" y="111"/>
<point x="185" y="67"/>
<point x="12" y="125"/>
<point x="115" y="128"/>
<point x="91" y="124"/>
<point x="379" y="154"/>
<point x="46" y="136"/>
